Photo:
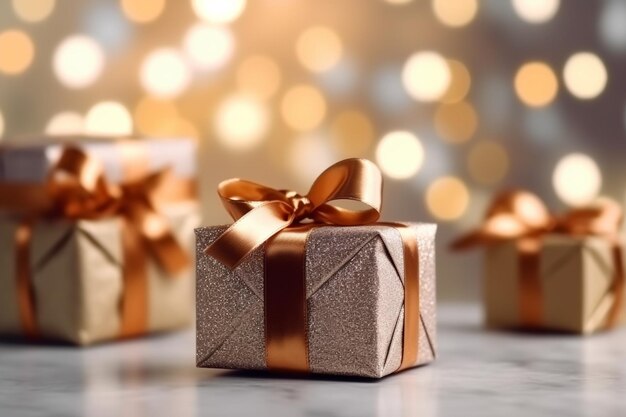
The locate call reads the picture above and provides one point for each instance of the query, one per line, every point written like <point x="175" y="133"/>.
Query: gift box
<point x="576" y="279"/>
<point x="546" y="272"/>
<point x="85" y="259"/>
<point x="329" y="299"/>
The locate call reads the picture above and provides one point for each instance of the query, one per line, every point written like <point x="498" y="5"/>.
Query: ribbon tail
<point x="249" y="232"/>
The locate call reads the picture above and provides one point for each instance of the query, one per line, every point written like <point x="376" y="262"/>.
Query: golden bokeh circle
<point x="303" y="107"/>
<point x="447" y="198"/>
<point x="400" y="154"/>
<point x="460" y="82"/>
<point x="456" y="122"/>
<point x="17" y="51"/>
<point x="488" y="162"/>
<point x="585" y="75"/>
<point x="66" y="123"/>
<point x="108" y="118"/>
<point x="352" y="133"/>
<point x="142" y="11"/>
<point x="151" y="114"/>
<point x="536" y="84"/>
<point x="33" y="10"/>
<point x="577" y="179"/>
<point x="259" y="75"/>
<point x="455" y="13"/>
<point x="319" y="48"/>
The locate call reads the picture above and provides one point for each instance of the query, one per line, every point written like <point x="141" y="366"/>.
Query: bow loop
<point x="261" y="212"/>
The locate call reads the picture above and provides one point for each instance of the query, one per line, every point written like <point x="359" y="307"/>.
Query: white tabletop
<point x="478" y="372"/>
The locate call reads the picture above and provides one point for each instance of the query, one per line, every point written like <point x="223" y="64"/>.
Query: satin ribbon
<point x="522" y="217"/>
<point x="283" y="220"/>
<point x="76" y="189"/>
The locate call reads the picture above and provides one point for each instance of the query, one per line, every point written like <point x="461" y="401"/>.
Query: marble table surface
<point x="478" y="372"/>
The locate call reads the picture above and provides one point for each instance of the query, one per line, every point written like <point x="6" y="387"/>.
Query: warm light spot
<point x="142" y="11"/>
<point x="455" y="13"/>
<point x="303" y="107"/>
<point x="33" y="10"/>
<point x="164" y="73"/>
<point x="108" y="118"/>
<point x="353" y="132"/>
<point x="241" y="122"/>
<point x="209" y="47"/>
<point x="456" y="122"/>
<point x="66" y="123"/>
<point x="398" y="1"/>
<point x="218" y="11"/>
<point x="577" y="179"/>
<point x="308" y="156"/>
<point x="400" y="154"/>
<point x="259" y="75"/>
<point x="447" y="198"/>
<point x="488" y="162"/>
<point x="426" y="76"/>
<point x="460" y="82"/>
<point x="78" y="61"/>
<point x="152" y="114"/>
<point x="585" y="75"/>
<point x="319" y="48"/>
<point x="535" y="84"/>
<point x="536" y="11"/>
<point x="16" y="51"/>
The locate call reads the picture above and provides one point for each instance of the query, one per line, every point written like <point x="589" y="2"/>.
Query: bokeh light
<point x="536" y="11"/>
<point x="398" y="1"/>
<point x="66" y="123"/>
<point x="164" y="73"/>
<point x="352" y="132"/>
<point x="426" y="76"/>
<point x="447" y="198"/>
<point x="400" y="154"/>
<point x="17" y="52"/>
<point x="33" y="10"/>
<point x="78" y="61"/>
<point x="488" y="162"/>
<point x="142" y="11"/>
<point x="460" y="82"/>
<point x="455" y="13"/>
<point x="153" y="116"/>
<point x="108" y="118"/>
<point x="457" y="122"/>
<point x="308" y="156"/>
<point x="259" y="75"/>
<point x="319" y="48"/>
<point x="303" y="107"/>
<point x="577" y="179"/>
<point x="218" y="11"/>
<point x="241" y="122"/>
<point x="585" y="75"/>
<point x="536" y="84"/>
<point x="209" y="47"/>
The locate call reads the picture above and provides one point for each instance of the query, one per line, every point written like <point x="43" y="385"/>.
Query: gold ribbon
<point x="282" y="220"/>
<point x="521" y="216"/>
<point x="76" y="188"/>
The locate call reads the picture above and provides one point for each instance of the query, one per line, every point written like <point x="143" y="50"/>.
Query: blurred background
<point x="454" y="99"/>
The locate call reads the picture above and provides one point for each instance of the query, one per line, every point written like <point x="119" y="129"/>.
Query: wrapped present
<point x="85" y="259"/>
<point x="545" y="272"/>
<point x="298" y="284"/>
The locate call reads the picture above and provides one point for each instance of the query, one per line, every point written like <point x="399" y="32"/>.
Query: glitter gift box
<point x="96" y="238"/>
<point x="354" y="301"/>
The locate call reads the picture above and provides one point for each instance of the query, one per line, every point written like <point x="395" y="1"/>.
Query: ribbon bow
<point x="77" y="188"/>
<point x="522" y="216"/>
<point x="261" y="212"/>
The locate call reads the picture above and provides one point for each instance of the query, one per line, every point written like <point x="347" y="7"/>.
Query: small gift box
<point x="546" y="272"/>
<point x="84" y="259"/>
<point x="340" y="295"/>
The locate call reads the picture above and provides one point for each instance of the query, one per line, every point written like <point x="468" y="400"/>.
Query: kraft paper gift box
<point x="576" y="284"/>
<point x="546" y="272"/>
<point x="328" y="299"/>
<point x="77" y="269"/>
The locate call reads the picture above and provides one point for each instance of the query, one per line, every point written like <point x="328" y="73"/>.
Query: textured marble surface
<point x="478" y="373"/>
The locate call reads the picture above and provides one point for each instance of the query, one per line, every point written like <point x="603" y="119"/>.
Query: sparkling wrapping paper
<point x="576" y="275"/>
<point x="78" y="281"/>
<point x="355" y="295"/>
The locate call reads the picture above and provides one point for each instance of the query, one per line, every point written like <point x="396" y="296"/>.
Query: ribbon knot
<point x="261" y="212"/>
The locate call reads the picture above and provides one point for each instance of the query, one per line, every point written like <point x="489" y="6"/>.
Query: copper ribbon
<point x="521" y="216"/>
<point x="282" y="220"/>
<point x="76" y="188"/>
